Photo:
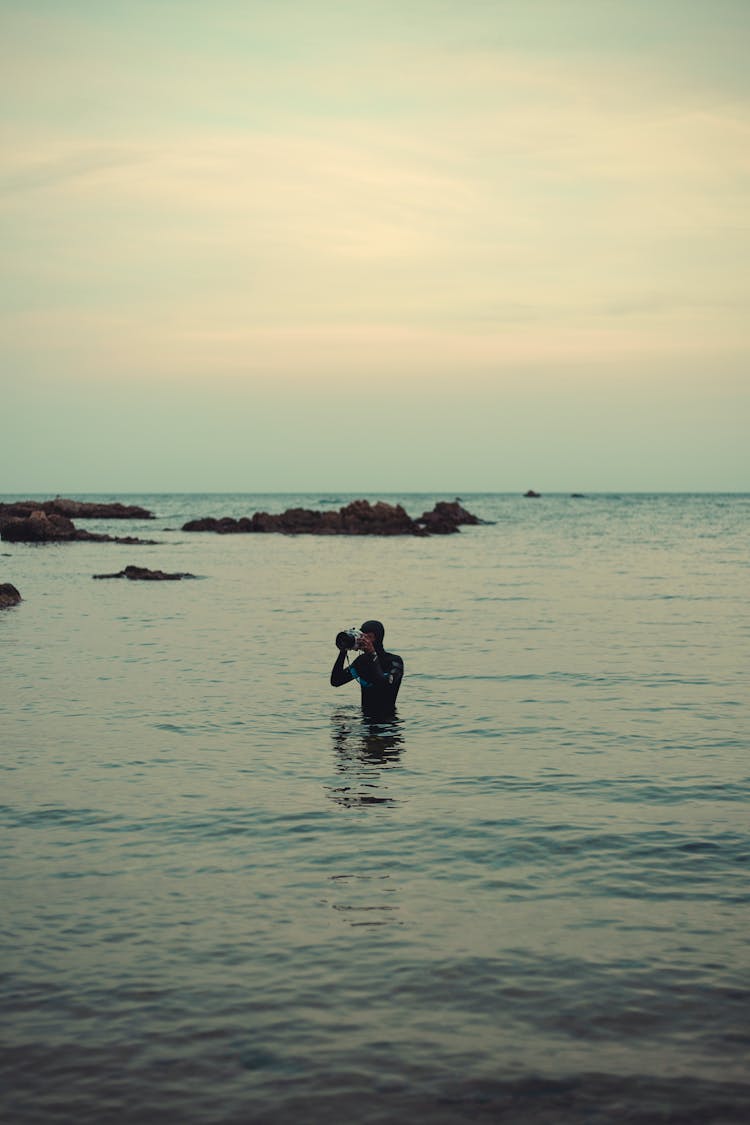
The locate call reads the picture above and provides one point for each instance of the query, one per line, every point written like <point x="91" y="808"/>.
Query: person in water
<point x="379" y="673"/>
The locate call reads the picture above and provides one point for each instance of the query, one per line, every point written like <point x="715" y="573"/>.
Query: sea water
<point x="228" y="898"/>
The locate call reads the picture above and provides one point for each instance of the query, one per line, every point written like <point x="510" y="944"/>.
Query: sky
<point x="374" y="246"/>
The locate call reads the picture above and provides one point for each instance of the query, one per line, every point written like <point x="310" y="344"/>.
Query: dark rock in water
<point x="96" y="510"/>
<point x="36" y="527"/>
<point x="360" y="517"/>
<point x="142" y="573"/>
<point x="77" y="509"/>
<point x="446" y="518"/>
<point x="531" y="495"/>
<point x="210" y="523"/>
<point x="206" y="523"/>
<point x="43" y="527"/>
<point x="9" y="595"/>
<point x="577" y="496"/>
<point x="129" y="540"/>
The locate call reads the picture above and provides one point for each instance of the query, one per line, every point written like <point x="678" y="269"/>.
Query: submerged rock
<point x="129" y="540"/>
<point x="9" y="595"/>
<point x="78" y="509"/>
<point x="360" y="517"/>
<point x="49" y="527"/>
<point x="143" y="574"/>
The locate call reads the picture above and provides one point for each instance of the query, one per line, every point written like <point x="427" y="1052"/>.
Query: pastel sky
<point x="371" y="245"/>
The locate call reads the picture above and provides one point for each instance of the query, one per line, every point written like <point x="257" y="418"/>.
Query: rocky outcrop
<point x="76" y="509"/>
<point x="143" y="574"/>
<point x="446" y="517"/>
<point x="39" y="526"/>
<point x="9" y="595"/>
<point x="360" y="517"/>
<point x="36" y="527"/>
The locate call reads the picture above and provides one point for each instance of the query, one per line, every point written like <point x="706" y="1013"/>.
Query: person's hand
<point x="368" y="643"/>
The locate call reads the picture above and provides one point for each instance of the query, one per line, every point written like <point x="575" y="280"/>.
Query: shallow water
<point x="228" y="898"/>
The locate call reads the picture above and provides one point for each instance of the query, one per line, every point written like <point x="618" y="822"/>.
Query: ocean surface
<point x="227" y="898"/>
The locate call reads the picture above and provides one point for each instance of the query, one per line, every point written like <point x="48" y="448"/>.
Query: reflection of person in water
<point x="365" y="752"/>
<point x="379" y="673"/>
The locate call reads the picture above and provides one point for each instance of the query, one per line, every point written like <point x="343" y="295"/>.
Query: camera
<point x="349" y="638"/>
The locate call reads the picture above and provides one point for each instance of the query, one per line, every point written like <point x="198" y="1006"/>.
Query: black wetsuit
<point x="379" y="676"/>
